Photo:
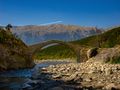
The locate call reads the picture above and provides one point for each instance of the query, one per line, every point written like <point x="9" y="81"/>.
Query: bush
<point x="115" y="61"/>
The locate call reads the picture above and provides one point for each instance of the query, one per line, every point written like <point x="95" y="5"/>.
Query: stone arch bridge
<point x="79" y="51"/>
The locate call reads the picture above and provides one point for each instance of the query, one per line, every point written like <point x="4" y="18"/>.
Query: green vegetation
<point x="115" y="60"/>
<point x="55" y="52"/>
<point x="14" y="53"/>
<point x="107" y="39"/>
<point x="8" y="39"/>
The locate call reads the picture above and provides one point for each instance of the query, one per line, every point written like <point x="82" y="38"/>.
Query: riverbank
<point x="56" y="60"/>
<point x="92" y="75"/>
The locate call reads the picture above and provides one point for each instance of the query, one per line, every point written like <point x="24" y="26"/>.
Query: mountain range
<point x="32" y="34"/>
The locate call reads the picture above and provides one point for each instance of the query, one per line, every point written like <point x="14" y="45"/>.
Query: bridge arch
<point x="38" y="47"/>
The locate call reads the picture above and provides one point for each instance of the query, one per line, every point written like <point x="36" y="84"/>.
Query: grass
<point x="55" y="52"/>
<point x="115" y="61"/>
<point x="105" y="40"/>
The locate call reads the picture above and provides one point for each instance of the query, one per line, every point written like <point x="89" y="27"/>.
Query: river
<point x="17" y="79"/>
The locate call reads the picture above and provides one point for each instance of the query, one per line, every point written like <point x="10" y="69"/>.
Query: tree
<point x="8" y="27"/>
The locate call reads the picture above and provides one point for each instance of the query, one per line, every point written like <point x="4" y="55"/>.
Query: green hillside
<point x="105" y="40"/>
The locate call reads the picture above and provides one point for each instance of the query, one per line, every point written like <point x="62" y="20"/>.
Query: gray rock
<point x="57" y="76"/>
<point x="72" y="77"/>
<point x="110" y="86"/>
<point x="88" y="79"/>
<point x="92" y="70"/>
<point x="108" y="71"/>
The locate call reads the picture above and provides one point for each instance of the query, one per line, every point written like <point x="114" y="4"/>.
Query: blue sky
<point x="100" y="13"/>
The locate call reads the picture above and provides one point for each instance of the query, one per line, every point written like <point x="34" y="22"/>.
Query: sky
<point x="99" y="13"/>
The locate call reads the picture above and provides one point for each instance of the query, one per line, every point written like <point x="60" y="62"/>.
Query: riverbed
<point x="19" y="79"/>
<point x="63" y="75"/>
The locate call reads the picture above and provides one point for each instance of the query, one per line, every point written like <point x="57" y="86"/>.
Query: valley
<point x="50" y="65"/>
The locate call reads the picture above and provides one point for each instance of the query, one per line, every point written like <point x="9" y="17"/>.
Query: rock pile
<point x="92" y="74"/>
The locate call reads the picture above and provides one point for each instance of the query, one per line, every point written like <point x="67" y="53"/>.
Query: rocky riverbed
<point x="90" y="75"/>
<point x="61" y="75"/>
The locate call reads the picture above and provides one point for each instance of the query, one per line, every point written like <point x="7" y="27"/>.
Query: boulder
<point x="108" y="55"/>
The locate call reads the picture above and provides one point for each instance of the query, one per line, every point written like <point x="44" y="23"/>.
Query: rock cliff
<point x="14" y="54"/>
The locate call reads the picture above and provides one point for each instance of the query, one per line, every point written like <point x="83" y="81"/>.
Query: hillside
<point x="32" y="34"/>
<point x="14" y="54"/>
<point x="107" y="39"/>
<point x="56" y="52"/>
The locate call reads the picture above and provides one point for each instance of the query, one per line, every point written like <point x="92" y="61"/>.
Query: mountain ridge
<point x="31" y="34"/>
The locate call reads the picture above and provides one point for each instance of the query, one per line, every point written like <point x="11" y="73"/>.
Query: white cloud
<point x="52" y="23"/>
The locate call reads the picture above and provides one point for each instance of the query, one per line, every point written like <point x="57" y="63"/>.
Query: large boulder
<point x="108" y="55"/>
<point x="14" y="54"/>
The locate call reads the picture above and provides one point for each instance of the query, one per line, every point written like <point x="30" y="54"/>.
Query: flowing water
<point x="15" y="79"/>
